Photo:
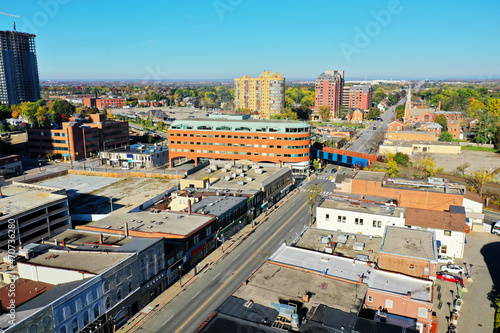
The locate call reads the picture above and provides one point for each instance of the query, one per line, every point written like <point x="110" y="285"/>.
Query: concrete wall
<point x="50" y="274"/>
<point x="349" y="226"/>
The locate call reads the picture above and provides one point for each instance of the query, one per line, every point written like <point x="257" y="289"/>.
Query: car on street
<point x="455" y="269"/>
<point x="374" y="128"/>
<point x="446" y="260"/>
<point x="449" y="277"/>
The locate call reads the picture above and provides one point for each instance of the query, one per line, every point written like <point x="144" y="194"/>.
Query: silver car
<point x="455" y="269"/>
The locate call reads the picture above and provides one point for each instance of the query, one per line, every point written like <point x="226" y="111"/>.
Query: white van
<point x="496" y="228"/>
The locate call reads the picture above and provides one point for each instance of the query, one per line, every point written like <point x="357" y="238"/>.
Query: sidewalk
<point x="158" y="303"/>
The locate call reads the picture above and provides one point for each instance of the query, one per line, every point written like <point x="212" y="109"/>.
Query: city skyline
<point x="223" y="39"/>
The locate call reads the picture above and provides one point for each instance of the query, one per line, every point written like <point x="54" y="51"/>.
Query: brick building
<point x="410" y="136"/>
<point x="329" y="90"/>
<point x="356" y="115"/>
<point x="395" y="125"/>
<point x="109" y="103"/>
<point x="360" y="97"/>
<point x="409" y="251"/>
<point x="455" y="129"/>
<point x="77" y="140"/>
<point x="276" y="141"/>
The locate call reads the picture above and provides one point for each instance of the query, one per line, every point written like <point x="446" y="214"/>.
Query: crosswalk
<point x="325" y="193"/>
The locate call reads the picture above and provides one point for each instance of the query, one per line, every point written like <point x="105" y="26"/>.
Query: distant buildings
<point x="138" y="156"/>
<point x="413" y="147"/>
<point x="275" y="141"/>
<point x="329" y="89"/>
<point x="19" y="80"/>
<point x="265" y="94"/>
<point x="78" y="139"/>
<point x="104" y="103"/>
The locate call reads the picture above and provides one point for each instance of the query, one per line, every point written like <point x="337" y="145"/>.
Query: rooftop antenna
<point x="14" y="25"/>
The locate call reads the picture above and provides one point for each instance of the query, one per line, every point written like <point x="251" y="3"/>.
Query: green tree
<point x="393" y="99"/>
<point x="441" y="120"/>
<point x="446" y="136"/>
<point x="428" y="165"/>
<point x="486" y="128"/>
<point x="313" y="193"/>
<point x="161" y="125"/>
<point x="5" y="112"/>
<point x="400" y="111"/>
<point x="378" y="96"/>
<point x="461" y="169"/>
<point x="324" y="112"/>
<point x="402" y="159"/>
<point x="373" y="113"/>
<point x="392" y="168"/>
<point x="61" y="111"/>
<point x="316" y="164"/>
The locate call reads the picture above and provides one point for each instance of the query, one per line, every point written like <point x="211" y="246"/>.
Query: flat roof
<point x="361" y="206"/>
<point x="369" y="175"/>
<point x="94" y="263"/>
<point x="19" y="198"/>
<point x="218" y="181"/>
<point x="24" y="291"/>
<point x="310" y="239"/>
<point x="253" y="124"/>
<point x="409" y="242"/>
<point x="411" y="143"/>
<point x="164" y="222"/>
<point x="271" y="282"/>
<point x="75" y="238"/>
<point x="352" y="270"/>
<point x="217" y="205"/>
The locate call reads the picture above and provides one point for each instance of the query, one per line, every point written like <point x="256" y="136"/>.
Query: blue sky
<point x="223" y="39"/>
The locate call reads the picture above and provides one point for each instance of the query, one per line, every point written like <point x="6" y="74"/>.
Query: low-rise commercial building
<point x="409" y="251"/>
<point x="411" y="136"/>
<point x="11" y="165"/>
<point x="450" y="227"/>
<point x="277" y="141"/>
<point x="413" y="147"/>
<point x="135" y="156"/>
<point x="358" y="216"/>
<point x="30" y="213"/>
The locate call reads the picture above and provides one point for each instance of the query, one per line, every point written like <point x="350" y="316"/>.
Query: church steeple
<point x="408" y="104"/>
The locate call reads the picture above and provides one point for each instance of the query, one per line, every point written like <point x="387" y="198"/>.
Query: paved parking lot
<point x="476" y="314"/>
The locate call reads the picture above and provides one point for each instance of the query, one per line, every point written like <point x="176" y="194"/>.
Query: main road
<point x="187" y="311"/>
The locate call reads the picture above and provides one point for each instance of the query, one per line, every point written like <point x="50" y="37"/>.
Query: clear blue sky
<point x="223" y="39"/>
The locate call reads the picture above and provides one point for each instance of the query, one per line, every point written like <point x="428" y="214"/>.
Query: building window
<point x="388" y="303"/>
<point x="106" y="286"/>
<point x="370" y="299"/>
<point x="96" y="311"/>
<point x="86" y="319"/>
<point x="74" y="325"/>
<point x="119" y="294"/>
<point x="444" y="248"/>
<point x="422" y="312"/>
<point x="358" y="221"/>
<point x="196" y="239"/>
<point x="447" y="232"/>
<point x="129" y="286"/>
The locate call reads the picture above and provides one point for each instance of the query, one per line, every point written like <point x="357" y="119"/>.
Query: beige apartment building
<point x="265" y="94"/>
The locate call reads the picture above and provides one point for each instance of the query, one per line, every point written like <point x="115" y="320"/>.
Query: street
<point x="190" y="308"/>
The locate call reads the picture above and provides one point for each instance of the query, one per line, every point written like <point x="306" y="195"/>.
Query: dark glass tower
<point x="19" y="80"/>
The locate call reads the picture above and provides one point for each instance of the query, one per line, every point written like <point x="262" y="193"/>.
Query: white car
<point x="446" y="260"/>
<point x="455" y="269"/>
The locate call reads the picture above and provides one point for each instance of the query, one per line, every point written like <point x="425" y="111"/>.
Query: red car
<point x="449" y="277"/>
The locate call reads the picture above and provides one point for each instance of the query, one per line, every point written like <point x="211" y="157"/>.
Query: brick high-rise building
<point x="19" y="80"/>
<point x="360" y="97"/>
<point x="329" y="91"/>
<point x="265" y="94"/>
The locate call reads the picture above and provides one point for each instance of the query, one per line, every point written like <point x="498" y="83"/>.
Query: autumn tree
<point x="493" y="107"/>
<point x="324" y="112"/>
<point x="373" y="113"/>
<point x="313" y="194"/>
<point x="400" y="111"/>
<point x="475" y="105"/>
<point x="392" y="168"/>
<point x="480" y="178"/>
<point x="428" y="165"/>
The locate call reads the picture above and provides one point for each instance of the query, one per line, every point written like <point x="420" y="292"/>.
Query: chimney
<point x="306" y="298"/>
<point x="126" y="229"/>
<point x="63" y="242"/>
<point x="439" y="106"/>
<point x="189" y="206"/>
<point x="409" y="295"/>
<point x="100" y="238"/>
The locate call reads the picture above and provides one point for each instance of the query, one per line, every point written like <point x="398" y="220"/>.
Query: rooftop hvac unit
<point x="342" y="238"/>
<point x="240" y="182"/>
<point x="227" y="178"/>
<point x="249" y="179"/>
<point x="259" y="171"/>
<point x="358" y="246"/>
<point x="208" y="170"/>
<point x="324" y="240"/>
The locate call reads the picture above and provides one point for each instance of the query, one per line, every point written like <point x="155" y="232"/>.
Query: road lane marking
<point x="254" y="241"/>
<point x="216" y="276"/>
<point x="196" y="294"/>
<point x="166" y="321"/>
<point x="236" y="257"/>
<point x="239" y="269"/>
<point x="301" y="219"/>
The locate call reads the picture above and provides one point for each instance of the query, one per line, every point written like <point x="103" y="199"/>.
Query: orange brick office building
<point x="77" y="139"/>
<point x="276" y="141"/>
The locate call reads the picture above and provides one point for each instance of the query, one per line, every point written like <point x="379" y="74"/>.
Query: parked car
<point x="449" y="277"/>
<point x="456" y="269"/>
<point x="446" y="260"/>
<point x="496" y="228"/>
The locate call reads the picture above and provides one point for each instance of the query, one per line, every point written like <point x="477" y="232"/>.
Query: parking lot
<point x="476" y="313"/>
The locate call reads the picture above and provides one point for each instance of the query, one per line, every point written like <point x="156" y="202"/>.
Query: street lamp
<point x="111" y="203"/>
